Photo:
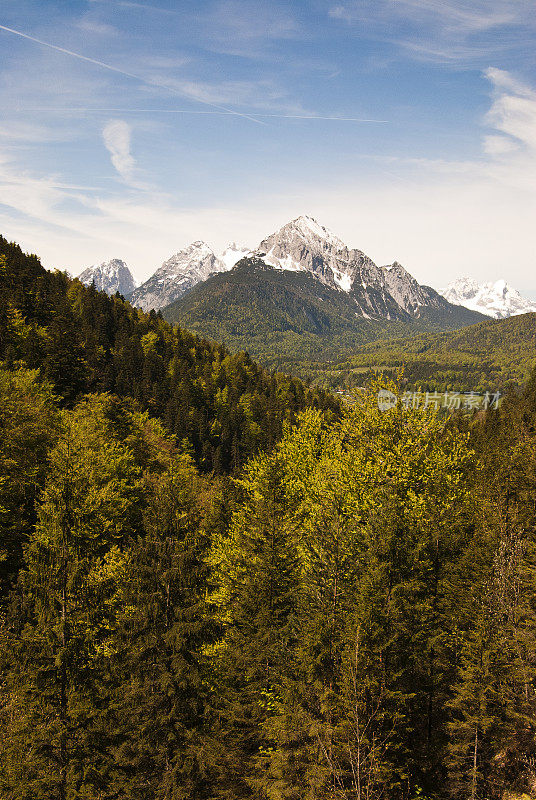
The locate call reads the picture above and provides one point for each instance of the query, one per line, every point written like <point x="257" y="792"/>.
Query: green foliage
<point x="350" y="616"/>
<point x="369" y="515"/>
<point x="29" y="426"/>
<point x="83" y="341"/>
<point x="496" y="354"/>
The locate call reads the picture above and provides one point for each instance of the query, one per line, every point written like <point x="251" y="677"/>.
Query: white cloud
<point x="498" y="145"/>
<point x="514" y="109"/>
<point x="95" y="27"/>
<point x="116" y="136"/>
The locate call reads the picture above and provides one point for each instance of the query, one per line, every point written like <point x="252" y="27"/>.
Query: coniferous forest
<point x="218" y="583"/>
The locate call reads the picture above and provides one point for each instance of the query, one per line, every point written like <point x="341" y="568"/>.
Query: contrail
<point x="188" y="111"/>
<point x="148" y="82"/>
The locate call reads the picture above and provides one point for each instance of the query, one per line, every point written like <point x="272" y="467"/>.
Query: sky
<point x="408" y="127"/>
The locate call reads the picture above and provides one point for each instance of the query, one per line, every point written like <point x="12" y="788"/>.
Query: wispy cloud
<point x="482" y="211"/>
<point x="248" y="27"/>
<point x="512" y="146"/>
<point x="116" y="137"/>
<point x="446" y="31"/>
<point x="91" y="26"/>
<point x="465" y="16"/>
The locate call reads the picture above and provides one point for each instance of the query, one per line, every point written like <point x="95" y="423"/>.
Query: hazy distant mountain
<point x="494" y="299"/>
<point x="110" y="277"/>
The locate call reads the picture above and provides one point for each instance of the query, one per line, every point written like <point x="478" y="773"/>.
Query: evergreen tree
<point x="159" y="715"/>
<point x="256" y="575"/>
<point x="55" y="651"/>
<point x="29" y="422"/>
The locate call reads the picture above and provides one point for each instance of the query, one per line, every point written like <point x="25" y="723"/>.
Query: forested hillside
<point x="225" y="405"/>
<point x="351" y="615"/>
<point x="284" y="318"/>
<point x="496" y="354"/>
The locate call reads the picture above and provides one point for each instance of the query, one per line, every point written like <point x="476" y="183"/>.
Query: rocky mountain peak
<point x="305" y="245"/>
<point x="177" y="275"/>
<point x="110" y="277"/>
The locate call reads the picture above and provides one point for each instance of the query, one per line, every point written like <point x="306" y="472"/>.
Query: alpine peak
<point x="110" y="277"/>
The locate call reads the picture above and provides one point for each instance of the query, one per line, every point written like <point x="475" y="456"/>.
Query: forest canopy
<point x="342" y="607"/>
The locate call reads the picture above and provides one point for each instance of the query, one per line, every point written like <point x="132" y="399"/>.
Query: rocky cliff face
<point x="182" y="271"/>
<point x="409" y="294"/>
<point x="110" y="277"/>
<point x="379" y="292"/>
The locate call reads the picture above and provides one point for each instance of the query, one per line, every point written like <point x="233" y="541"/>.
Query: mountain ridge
<point x="302" y="245"/>
<point x="282" y="316"/>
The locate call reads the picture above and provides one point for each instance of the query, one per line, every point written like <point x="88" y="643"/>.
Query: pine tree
<point x="256" y="574"/>
<point x="29" y="421"/>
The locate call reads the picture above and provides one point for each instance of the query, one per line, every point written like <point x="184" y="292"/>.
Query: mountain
<point x="303" y="294"/>
<point x="176" y="276"/>
<point x="83" y="341"/>
<point x="409" y="294"/>
<point x="303" y="245"/>
<point x="287" y="316"/>
<point x="110" y="277"/>
<point x="494" y="299"/>
<point x="181" y="272"/>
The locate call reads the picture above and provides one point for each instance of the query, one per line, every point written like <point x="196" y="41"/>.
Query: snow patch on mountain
<point x="232" y="254"/>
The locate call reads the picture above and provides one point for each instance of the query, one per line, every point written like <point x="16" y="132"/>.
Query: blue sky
<point x="131" y="128"/>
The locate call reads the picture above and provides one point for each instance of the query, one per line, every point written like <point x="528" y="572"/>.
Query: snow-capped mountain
<point x="386" y="292"/>
<point x="110" y="277"/>
<point x="497" y="299"/>
<point x="176" y="276"/>
<point x="303" y="245"/>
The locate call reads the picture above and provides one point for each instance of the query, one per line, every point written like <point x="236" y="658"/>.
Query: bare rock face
<point x="305" y="245"/>
<point x="110" y="277"/>
<point x="177" y="276"/>
<point x="409" y="294"/>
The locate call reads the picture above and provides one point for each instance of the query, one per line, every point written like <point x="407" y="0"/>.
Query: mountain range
<point x="301" y="293"/>
<point x="304" y="245"/>
<point x="497" y="299"/>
